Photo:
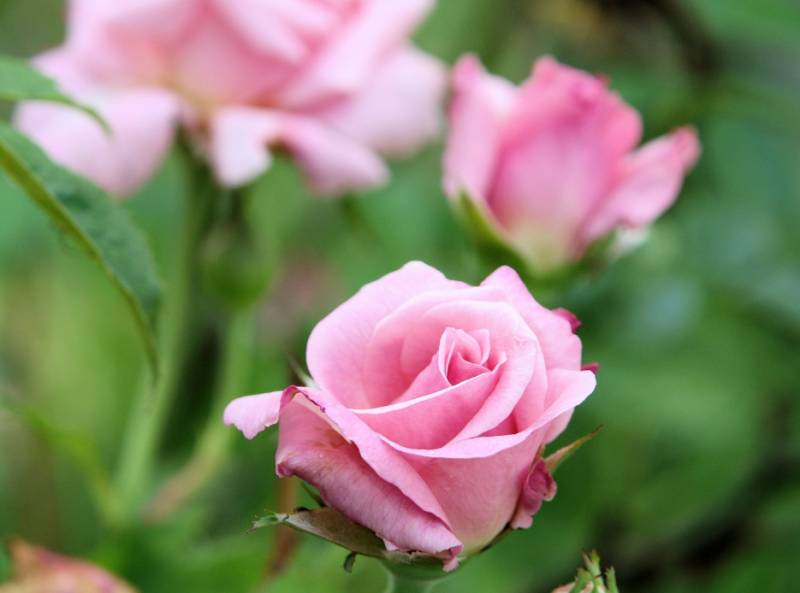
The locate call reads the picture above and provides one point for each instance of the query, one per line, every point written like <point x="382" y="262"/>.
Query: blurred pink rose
<point x="37" y="570"/>
<point x="431" y="403"/>
<point x="334" y="82"/>
<point x="553" y="164"/>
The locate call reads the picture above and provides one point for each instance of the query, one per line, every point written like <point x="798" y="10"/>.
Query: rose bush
<point x="430" y="404"/>
<point x="335" y="82"/>
<point x="551" y="165"/>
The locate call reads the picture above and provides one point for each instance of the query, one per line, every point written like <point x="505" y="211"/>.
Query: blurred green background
<point x="694" y="485"/>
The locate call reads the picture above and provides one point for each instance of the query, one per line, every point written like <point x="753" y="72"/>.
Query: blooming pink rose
<point x="334" y="82"/>
<point x="553" y="164"/>
<point x="430" y="405"/>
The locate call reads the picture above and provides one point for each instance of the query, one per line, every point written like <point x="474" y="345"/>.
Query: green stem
<point x="153" y="403"/>
<point x="401" y="584"/>
<point x="214" y="442"/>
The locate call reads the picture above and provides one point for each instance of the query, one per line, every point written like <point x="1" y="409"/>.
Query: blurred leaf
<point x="87" y="215"/>
<point x="19" y="81"/>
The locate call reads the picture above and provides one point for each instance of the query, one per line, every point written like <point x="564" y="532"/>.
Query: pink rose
<point x="334" y="82"/>
<point x="430" y="405"/>
<point x="37" y="570"/>
<point x="553" y="164"/>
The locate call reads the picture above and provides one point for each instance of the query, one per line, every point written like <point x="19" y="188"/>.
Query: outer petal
<point x="254" y="413"/>
<point x="332" y="163"/>
<point x="337" y="347"/>
<point x="142" y="123"/>
<point x="240" y="140"/>
<point x="650" y="181"/>
<point x="398" y="109"/>
<point x="311" y="449"/>
<point x="350" y="58"/>
<point x="564" y="140"/>
<point x="478" y="110"/>
<point x="480" y="495"/>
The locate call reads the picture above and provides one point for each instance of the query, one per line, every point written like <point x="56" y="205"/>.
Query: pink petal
<point x="142" y="123"/>
<point x="560" y="346"/>
<point x="311" y="449"/>
<point x="433" y="419"/>
<point x="349" y="60"/>
<point x="568" y="390"/>
<point x="253" y="413"/>
<point x="402" y="345"/>
<point x="286" y="29"/>
<point x="333" y="164"/>
<point x="387" y="463"/>
<point x="650" y="181"/>
<point x="478" y="110"/>
<point x="337" y="347"/>
<point x="240" y="143"/>
<point x="539" y="487"/>
<point x="480" y="494"/>
<point x="398" y="109"/>
<point x="559" y="159"/>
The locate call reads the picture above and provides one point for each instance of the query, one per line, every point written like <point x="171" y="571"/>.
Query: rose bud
<point x="547" y="169"/>
<point x="335" y="83"/>
<point x="37" y="570"/>
<point x="429" y="405"/>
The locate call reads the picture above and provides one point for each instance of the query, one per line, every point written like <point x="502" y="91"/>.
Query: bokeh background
<point x="694" y="483"/>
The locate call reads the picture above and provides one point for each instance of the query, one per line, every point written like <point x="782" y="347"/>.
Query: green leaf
<point x="99" y="226"/>
<point x="556" y="459"/>
<point x="19" y="81"/>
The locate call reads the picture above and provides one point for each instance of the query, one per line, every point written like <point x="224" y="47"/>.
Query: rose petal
<point x="348" y="61"/>
<point x="434" y="419"/>
<point x="253" y="413"/>
<point x="478" y="110"/>
<point x="142" y="125"/>
<point x="383" y="459"/>
<point x="338" y="345"/>
<point x="333" y="163"/>
<point x="572" y="388"/>
<point x="480" y="494"/>
<point x="398" y="109"/>
<point x="650" y="182"/>
<point x="560" y="346"/>
<point x="560" y="155"/>
<point x="311" y="449"/>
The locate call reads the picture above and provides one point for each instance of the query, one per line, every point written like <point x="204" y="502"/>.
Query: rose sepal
<point x="330" y="525"/>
